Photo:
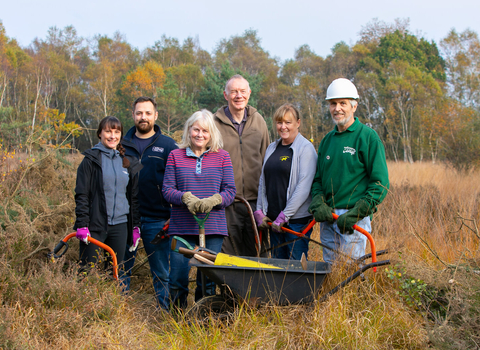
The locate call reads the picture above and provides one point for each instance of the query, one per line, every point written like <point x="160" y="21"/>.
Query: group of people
<point x="129" y="186"/>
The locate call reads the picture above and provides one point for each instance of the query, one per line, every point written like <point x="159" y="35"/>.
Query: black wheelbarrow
<point x="286" y="282"/>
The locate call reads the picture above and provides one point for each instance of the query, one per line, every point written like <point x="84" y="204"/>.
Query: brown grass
<point x="428" y="222"/>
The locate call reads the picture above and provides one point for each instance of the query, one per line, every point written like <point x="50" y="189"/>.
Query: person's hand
<point x="279" y="222"/>
<point x="136" y="239"/>
<point x="346" y="221"/>
<point x="206" y="204"/>
<point x="83" y="234"/>
<point x="320" y="210"/>
<point x="191" y="201"/>
<point x="261" y="219"/>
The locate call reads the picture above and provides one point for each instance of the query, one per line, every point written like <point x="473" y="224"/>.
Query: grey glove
<point x="207" y="204"/>
<point x="191" y="201"/>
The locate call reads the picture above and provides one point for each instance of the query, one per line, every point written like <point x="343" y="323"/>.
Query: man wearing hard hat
<point x="351" y="177"/>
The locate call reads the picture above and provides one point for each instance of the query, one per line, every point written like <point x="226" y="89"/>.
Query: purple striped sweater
<point x="213" y="175"/>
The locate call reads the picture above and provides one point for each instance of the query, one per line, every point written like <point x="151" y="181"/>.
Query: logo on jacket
<point x="158" y="149"/>
<point x="350" y="150"/>
<point x="284" y="158"/>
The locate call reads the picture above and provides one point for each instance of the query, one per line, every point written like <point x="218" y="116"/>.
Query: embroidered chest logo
<point x="350" y="150"/>
<point x="157" y="149"/>
<point x="284" y="158"/>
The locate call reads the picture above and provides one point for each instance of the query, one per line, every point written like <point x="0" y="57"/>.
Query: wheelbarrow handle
<point x="63" y="243"/>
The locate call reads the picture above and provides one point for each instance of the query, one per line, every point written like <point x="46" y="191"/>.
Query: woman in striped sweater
<point x="198" y="180"/>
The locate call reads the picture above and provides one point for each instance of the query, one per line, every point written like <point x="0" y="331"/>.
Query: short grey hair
<point x="235" y="77"/>
<point x="205" y="119"/>
<point x="353" y="103"/>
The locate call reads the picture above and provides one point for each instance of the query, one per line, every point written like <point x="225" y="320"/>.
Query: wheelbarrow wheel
<point x="217" y="306"/>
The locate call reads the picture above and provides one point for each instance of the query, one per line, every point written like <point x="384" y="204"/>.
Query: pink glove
<point x="136" y="239"/>
<point x="83" y="234"/>
<point x="258" y="215"/>
<point x="279" y="222"/>
<point x="261" y="220"/>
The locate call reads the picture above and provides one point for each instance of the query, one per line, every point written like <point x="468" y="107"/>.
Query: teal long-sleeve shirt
<point x="351" y="166"/>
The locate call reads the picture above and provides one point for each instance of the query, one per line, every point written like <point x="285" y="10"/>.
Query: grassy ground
<point x="427" y="298"/>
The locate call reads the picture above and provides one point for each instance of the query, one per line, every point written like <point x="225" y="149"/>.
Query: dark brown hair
<point x="144" y="99"/>
<point x="109" y="123"/>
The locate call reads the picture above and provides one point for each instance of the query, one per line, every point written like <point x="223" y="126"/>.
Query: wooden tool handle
<point x="202" y="259"/>
<point x="189" y="252"/>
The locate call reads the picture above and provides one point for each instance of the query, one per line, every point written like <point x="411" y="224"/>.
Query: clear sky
<point x="283" y="26"/>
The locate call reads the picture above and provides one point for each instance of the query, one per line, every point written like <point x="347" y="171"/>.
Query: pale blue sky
<point x="282" y="25"/>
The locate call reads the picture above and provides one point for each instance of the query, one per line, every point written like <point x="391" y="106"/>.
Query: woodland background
<point x="422" y="97"/>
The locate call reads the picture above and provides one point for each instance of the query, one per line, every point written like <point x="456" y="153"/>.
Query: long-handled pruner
<point x="56" y="253"/>
<point x="335" y="216"/>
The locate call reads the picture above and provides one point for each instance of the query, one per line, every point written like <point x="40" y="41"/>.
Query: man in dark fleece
<point x="146" y="142"/>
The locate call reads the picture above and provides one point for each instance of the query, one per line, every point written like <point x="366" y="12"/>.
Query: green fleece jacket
<point x="351" y="166"/>
<point x="246" y="151"/>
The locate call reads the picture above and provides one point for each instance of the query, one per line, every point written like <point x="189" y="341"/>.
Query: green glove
<point x="206" y="204"/>
<point x="191" y="201"/>
<point x="346" y="221"/>
<point x="320" y="210"/>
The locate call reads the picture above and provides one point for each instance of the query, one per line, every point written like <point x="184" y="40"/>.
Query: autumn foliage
<point x="421" y="97"/>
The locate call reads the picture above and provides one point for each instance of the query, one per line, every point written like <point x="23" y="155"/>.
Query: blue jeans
<point x="293" y="250"/>
<point x="179" y="270"/>
<point x="158" y="255"/>
<point x="353" y="245"/>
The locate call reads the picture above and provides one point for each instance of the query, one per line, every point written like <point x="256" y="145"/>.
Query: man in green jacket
<point x="245" y="138"/>
<point x="351" y="177"/>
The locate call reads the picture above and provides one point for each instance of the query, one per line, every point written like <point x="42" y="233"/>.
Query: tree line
<point x="423" y="99"/>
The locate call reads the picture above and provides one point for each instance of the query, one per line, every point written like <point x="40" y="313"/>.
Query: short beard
<point x="344" y="121"/>
<point x="142" y="129"/>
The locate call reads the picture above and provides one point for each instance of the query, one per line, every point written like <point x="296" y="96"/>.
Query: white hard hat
<point x="341" y="88"/>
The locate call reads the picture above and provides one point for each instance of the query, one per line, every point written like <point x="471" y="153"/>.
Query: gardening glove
<point x="279" y="222"/>
<point x="136" y="239"/>
<point x="83" y="234"/>
<point x="207" y="204"/>
<point x="346" y="221"/>
<point x="320" y="210"/>
<point x="261" y="219"/>
<point x="191" y="201"/>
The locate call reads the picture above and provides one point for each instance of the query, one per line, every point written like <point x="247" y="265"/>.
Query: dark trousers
<point x="115" y="238"/>
<point x="241" y="237"/>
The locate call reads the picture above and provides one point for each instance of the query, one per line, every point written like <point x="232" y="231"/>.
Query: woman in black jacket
<point x="106" y="195"/>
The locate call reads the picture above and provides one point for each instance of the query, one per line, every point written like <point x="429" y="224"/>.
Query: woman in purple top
<point x="198" y="180"/>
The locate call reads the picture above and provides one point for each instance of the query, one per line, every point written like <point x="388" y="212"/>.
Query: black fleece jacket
<point x="154" y="160"/>
<point x="91" y="209"/>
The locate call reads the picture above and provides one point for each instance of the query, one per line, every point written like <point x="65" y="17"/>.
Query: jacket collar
<point x="129" y="135"/>
<point x="224" y="119"/>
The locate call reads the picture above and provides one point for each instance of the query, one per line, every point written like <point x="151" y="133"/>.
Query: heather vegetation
<point x="423" y="101"/>
<point x="427" y="298"/>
